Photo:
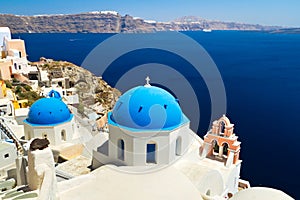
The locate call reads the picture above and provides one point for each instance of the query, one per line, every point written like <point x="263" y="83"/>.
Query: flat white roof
<point x="111" y="183"/>
<point x="5" y="145"/>
<point x="4" y="101"/>
<point x="4" y="30"/>
<point x="22" y="111"/>
<point x="33" y="69"/>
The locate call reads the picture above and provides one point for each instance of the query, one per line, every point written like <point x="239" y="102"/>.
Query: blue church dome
<point x="147" y="107"/>
<point x="48" y="111"/>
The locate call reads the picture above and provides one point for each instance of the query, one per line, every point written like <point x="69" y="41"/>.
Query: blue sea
<point x="261" y="74"/>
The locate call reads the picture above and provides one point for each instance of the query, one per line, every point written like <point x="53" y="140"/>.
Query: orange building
<point x="221" y="143"/>
<point x="13" y="58"/>
<point x="15" y="47"/>
<point x="5" y="69"/>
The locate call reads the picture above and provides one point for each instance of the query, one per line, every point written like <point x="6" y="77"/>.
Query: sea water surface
<point x="261" y="74"/>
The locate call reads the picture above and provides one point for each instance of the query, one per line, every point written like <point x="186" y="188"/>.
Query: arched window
<point x="221" y="128"/>
<point x="178" y="147"/>
<point x="151" y="152"/>
<point x="215" y="147"/>
<point x="225" y="149"/>
<point x="121" y="147"/>
<point x="63" y="135"/>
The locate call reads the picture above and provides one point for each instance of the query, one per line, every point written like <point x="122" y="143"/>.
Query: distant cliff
<point x="287" y="31"/>
<point x="197" y="23"/>
<point x="111" y="22"/>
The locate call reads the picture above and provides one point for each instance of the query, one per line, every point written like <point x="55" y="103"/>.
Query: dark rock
<point x="39" y="144"/>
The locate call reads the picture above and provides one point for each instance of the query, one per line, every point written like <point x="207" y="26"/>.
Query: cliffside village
<point x="143" y="148"/>
<point x="16" y="70"/>
<point x="44" y="76"/>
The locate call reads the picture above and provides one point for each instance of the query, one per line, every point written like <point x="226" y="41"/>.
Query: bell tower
<point x="220" y="143"/>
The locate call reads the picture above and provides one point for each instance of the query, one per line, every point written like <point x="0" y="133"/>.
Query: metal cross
<point x="147" y="81"/>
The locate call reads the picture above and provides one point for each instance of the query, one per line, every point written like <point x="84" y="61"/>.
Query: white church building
<point x="50" y="118"/>
<point x="146" y="127"/>
<point x="149" y="131"/>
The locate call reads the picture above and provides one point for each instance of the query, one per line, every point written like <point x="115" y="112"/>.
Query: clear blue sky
<point x="266" y="12"/>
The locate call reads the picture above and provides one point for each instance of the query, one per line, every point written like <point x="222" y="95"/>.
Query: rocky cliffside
<point x="106" y="22"/>
<point x="76" y="23"/>
<point x="91" y="89"/>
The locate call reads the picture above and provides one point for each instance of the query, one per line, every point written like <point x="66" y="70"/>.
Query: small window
<point x="121" y="148"/>
<point x="178" y="148"/>
<point x="6" y="155"/>
<point x="19" y="66"/>
<point x="45" y="135"/>
<point x="208" y="192"/>
<point x="151" y="153"/>
<point x="63" y="135"/>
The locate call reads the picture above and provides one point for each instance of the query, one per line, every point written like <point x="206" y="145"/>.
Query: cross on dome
<point x="147" y="82"/>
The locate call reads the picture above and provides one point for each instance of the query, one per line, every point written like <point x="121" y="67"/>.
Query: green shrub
<point x="14" y="80"/>
<point x="80" y="109"/>
<point x="18" y="89"/>
<point x="8" y="84"/>
<point x="27" y="87"/>
<point x="31" y="96"/>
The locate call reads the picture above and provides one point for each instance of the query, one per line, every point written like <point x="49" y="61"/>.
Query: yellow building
<point x="3" y="89"/>
<point x="11" y="96"/>
<point x="20" y="103"/>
